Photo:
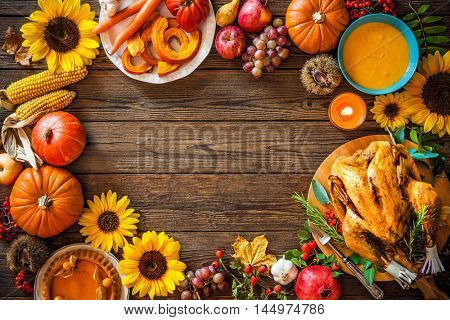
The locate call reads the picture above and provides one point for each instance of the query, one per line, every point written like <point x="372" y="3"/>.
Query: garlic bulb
<point x="110" y="6"/>
<point x="284" y="271"/>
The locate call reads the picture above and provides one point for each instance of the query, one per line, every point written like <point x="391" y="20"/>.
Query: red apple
<point x="317" y="283"/>
<point x="230" y="42"/>
<point x="9" y="169"/>
<point x="254" y="16"/>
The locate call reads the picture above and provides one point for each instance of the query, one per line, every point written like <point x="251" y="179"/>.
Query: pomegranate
<point x="317" y="283"/>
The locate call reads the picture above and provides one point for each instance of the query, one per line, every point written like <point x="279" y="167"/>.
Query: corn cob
<point x="49" y="102"/>
<point x="41" y="83"/>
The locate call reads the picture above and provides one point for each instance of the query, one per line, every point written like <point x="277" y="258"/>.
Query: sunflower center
<point x="391" y="110"/>
<point x="108" y="221"/>
<point x="152" y="265"/>
<point x="62" y="34"/>
<point x="436" y="93"/>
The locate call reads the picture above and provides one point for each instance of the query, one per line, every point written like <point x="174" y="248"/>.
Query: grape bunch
<point x="268" y="50"/>
<point x="203" y="282"/>
<point x="359" y="8"/>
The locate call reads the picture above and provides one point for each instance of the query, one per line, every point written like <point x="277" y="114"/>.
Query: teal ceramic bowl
<point x="410" y="39"/>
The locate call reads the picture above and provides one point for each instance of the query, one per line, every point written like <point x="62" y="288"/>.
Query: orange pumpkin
<point x="46" y="201"/>
<point x="315" y="25"/>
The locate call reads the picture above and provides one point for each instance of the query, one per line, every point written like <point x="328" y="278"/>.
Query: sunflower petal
<point x="176" y="265"/>
<point x="430" y="122"/>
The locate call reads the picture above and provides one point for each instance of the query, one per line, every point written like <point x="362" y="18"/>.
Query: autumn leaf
<point x="253" y="253"/>
<point x="13" y="46"/>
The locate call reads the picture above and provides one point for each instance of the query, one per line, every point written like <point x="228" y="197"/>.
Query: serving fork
<point x="373" y="289"/>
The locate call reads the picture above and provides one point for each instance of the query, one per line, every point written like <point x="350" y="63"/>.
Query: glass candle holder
<point x="347" y="111"/>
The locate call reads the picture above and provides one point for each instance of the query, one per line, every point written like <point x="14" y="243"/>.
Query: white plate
<point x="208" y="29"/>
<point x="63" y="250"/>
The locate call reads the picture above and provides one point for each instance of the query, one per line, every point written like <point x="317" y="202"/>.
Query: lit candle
<point x="347" y="111"/>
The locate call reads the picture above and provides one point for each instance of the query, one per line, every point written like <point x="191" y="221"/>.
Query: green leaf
<point x="438" y="39"/>
<point x="330" y="258"/>
<point x="434" y="29"/>
<point x="420" y="41"/>
<point x="336" y="274"/>
<point x="367" y="265"/>
<point x="320" y="256"/>
<point x="434" y="49"/>
<point x="369" y="275"/>
<point x="398" y="136"/>
<point x="320" y="193"/>
<point x="413" y="24"/>
<point x="303" y="236"/>
<point x="290" y="254"/>
<point x="424" y="155"/>
<point x="423" y="8"/>
<point x="355" y="259"/>
<point x="417" y="33"/>
<point x="409" y="16"/>
<point x="413" y="136"/>
<point x="299" y="262"/>
<point x="431" y="19"/>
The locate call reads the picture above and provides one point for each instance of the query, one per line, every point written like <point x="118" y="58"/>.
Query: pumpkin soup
<point x="375" y="55"/>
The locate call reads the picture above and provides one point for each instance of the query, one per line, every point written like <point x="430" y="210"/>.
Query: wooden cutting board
<point x="442" y="187"/>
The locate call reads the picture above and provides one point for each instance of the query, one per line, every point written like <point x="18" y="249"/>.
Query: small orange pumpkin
<point x="46" y="201"/>
<point x="315" y="25"/>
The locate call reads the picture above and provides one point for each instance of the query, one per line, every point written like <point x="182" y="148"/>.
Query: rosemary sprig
<point x="316" y="218"/>
<point x="416" y="238"/>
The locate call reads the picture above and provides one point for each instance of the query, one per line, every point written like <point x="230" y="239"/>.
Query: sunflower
<point x="151" y="265"/>
<point x="61" y="33"/>
<point x="107" y="221"/>
<point x="429" y="94"/>
<point x="391" y="110"/>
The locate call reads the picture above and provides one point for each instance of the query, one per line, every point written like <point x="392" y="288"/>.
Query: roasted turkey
<point x="376" y="193"/>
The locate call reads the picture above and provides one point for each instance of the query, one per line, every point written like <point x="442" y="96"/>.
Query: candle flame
<point x="347" y="111"/>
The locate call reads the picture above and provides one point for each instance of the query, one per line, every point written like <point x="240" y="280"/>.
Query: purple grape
<point x="264" y="37"/>
<point x="271" y="44"/>
<point x="248" y="66"/>
<point x="212" y="270"/>
<point x="223" y="286"/>
<point x="273" y="34"/>
<point x="205" y="273"/>
<point x="186" y="295"/>
<point x="284" y="53"/>
<point x="268" y="28"/>
<point x="271" y="53"/>
<point x="246" y="57"/>
<point x="251" y="51"/>
<point x="218" y="278"/>
<point x="276" y="61"/>
<point x="206" y="292"/>
<point x="283" y="30"/>
<point x="260" y="54"/>
<point x="198" y="273"/>
<point x="214" y="287"/>
<point x="282" y="40"/>
<point x="197" y="282"/>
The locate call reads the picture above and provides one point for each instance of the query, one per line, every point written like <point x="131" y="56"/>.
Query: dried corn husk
<point x="16" y="139"/>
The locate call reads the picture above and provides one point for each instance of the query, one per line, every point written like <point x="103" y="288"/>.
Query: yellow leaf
<point x="253" y="253"/>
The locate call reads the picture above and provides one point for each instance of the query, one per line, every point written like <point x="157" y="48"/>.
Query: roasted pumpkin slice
<point x="164" y="51"/>
<point x="130" y="67"/>
<point x="164" y="68"/>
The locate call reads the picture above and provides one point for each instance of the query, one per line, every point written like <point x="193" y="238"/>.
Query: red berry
<point x="335" y="267"/>
<point x="304" y="256"/>
<point x="219" y="254"/>
<point x="262" y="269"/>
<point x="277" y="288"/>
<point x="248" y="269"/>
<point x="215" y="264"/>
<point x="268" y="291"/>
<point x="312" y="245"/>
<point x="306" y="248"/>
<point x="254" y="280"/>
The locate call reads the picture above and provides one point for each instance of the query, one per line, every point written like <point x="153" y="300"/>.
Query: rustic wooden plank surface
<point x="206" y="157"/>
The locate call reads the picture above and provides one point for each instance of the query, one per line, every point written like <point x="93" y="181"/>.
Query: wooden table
<point x="207" y="157"/>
